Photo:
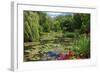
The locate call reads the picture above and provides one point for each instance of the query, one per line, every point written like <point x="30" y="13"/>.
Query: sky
<point x="54" y="14"/>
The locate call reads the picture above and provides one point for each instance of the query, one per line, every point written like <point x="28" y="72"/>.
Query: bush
<point x="82" y="46"/>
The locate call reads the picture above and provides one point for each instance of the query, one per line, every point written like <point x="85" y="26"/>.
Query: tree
<point x="77" y="21"/>
<point x="31" y="23"/>
<point x="85" y="28"/>
<point x="48" y="24"/>
<point x="66" y="22"/>
<point x="57" y="26"/>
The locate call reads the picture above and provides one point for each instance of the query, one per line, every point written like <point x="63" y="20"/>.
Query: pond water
<point x="48" y="45"/>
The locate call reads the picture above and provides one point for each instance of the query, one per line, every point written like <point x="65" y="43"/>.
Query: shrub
<point x="82" y="46"/>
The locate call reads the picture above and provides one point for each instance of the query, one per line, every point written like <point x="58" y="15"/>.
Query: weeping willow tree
<point x="31" y="26"/>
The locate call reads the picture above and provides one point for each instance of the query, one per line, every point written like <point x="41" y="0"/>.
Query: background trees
<point x="85" y="28"/>
<point x="38" y="22"/>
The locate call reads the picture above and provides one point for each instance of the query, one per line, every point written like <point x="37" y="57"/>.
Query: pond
<point x="54" y="46"/>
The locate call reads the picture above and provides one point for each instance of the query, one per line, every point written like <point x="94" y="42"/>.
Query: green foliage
<point x="45" y="21"/>
<point x="47" y="24"/>
<point x="42" y="16"/>
<point x="82" y="46"/>
<point x="77" y="20"/>
<point x="66" y="23"/>
<point x="27" y="32"/>
<point x="31" y="23"/>
<point x="85" y="28"/>
<point x="56" y="26"/>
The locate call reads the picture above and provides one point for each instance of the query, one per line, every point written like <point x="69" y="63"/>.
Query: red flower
<point x="61" y="56"/>
<point x="69" y="54"/>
